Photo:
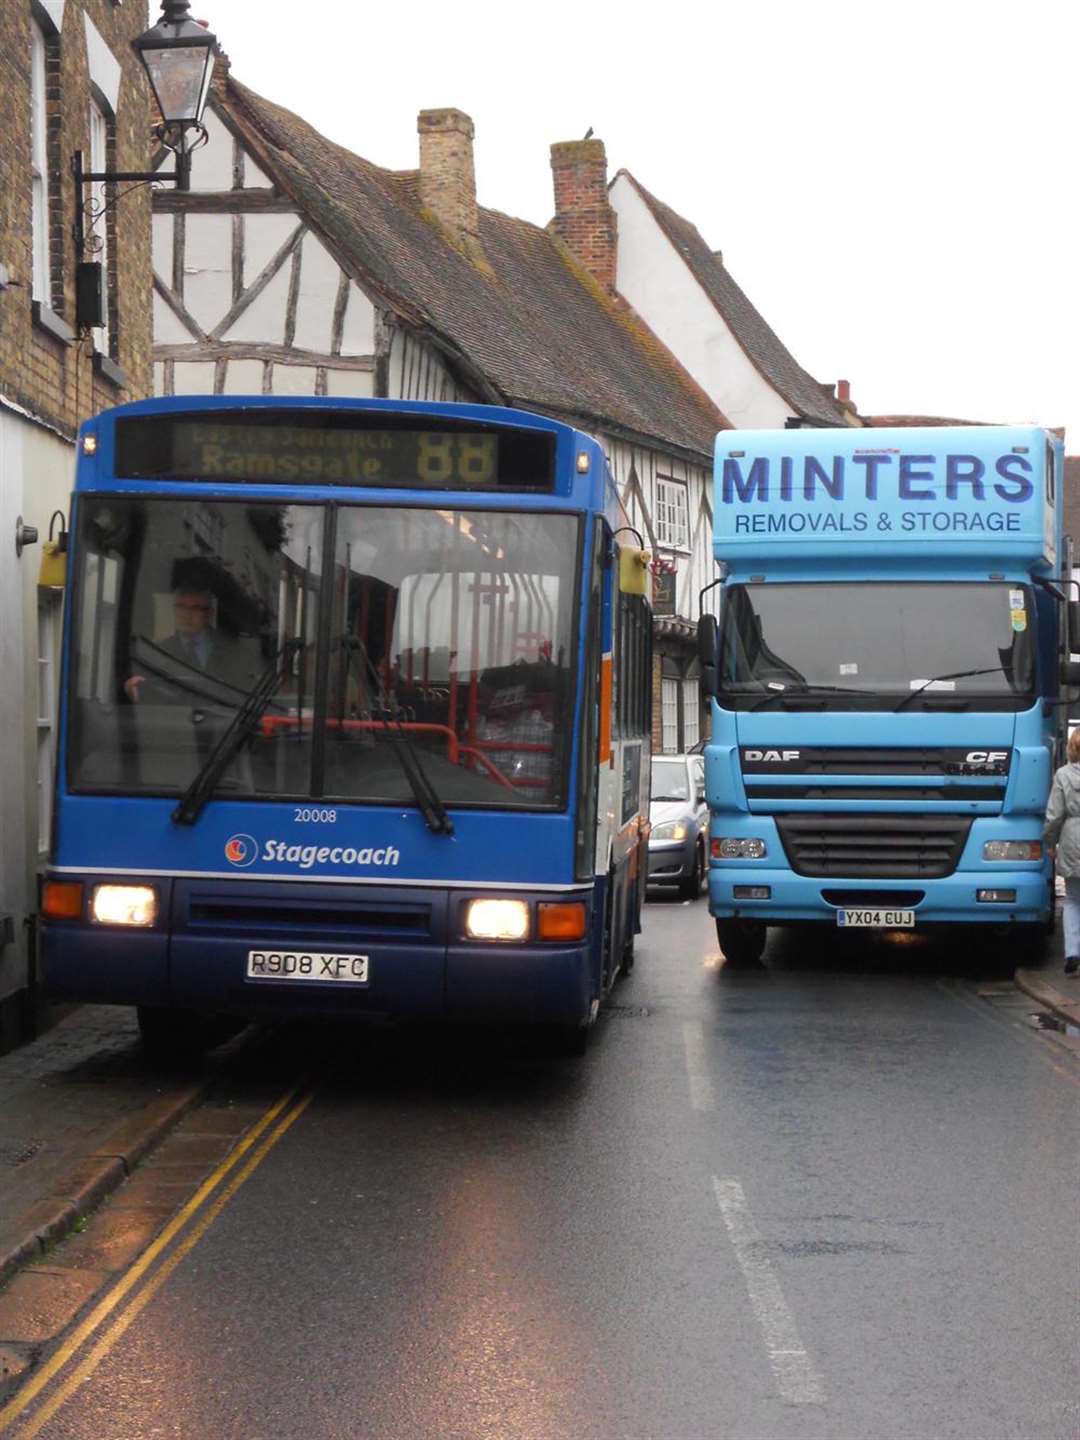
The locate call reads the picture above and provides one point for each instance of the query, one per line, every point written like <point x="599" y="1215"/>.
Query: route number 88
<point x="469" y="459"/>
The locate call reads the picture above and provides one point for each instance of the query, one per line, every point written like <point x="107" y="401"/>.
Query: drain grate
<point x="13" y="1155"/>
<point x="633" y="1012"/>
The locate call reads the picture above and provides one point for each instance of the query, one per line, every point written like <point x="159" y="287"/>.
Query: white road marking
<point x="795" y="1374"/>
<point x="702" y="1096"/>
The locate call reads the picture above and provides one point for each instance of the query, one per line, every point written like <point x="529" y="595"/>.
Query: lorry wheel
<point x="742" y="941"/>
<point x="1029" y="944"/>
<point x="690" y="888"/>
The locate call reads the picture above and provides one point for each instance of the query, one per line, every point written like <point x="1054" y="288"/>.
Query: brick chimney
<point x="447" y="176"/>
<point x="584" y="220"/>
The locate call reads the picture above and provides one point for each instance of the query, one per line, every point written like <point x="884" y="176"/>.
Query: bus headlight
<point x="1013" y="850"/>
<point x="731" y="848"/>
<point x="124" y="905"/>
<point x="497" y="920"/>
<point x="669" y="830"/>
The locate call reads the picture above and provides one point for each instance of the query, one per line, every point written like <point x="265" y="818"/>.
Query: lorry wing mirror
<point x="1070" y="674"/>
<point x="1074" y="625"/>
<point x="707" y="646"/>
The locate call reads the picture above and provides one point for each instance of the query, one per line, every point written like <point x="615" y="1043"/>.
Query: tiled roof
<point x="522" y="321"/>
<point x="763" y="347"/>
<point x="895" y="422"/>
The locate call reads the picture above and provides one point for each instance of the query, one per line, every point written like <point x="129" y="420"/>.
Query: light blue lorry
<point x="885" y="656"/>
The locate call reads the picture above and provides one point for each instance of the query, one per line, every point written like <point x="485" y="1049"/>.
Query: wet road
<point x="835" y="1196"/>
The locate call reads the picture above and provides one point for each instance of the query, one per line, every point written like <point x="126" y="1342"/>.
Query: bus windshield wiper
<point x="194" y="798"/>
<point x="955" y="675"/>
<point x="426" y="796"/>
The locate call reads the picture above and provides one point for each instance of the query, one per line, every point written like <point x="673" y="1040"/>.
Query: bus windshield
<point x="450" y="630"/>
<point x="878" y="644"/>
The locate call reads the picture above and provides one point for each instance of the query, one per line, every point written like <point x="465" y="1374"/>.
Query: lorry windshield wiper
<point x="426" y="796"/>
<point x="955" y="675"/>
<point x="194" y="798"/>
<point x="799" y="691"/>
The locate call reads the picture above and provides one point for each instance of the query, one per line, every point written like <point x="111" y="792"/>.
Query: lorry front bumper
<point x="950" y="900"/>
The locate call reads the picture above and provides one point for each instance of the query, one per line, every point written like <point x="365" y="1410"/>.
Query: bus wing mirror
<point x="707" y="645"/>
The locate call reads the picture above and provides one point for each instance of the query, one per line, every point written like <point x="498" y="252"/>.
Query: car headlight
<point x="1013" y="850"/>
<point x="497" y="920"/>
<point x="124" y="905"/>
<point x="731" y="848"/>
<point x="670" y="830"/>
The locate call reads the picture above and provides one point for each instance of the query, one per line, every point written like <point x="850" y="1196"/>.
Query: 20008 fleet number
<point x="318" y="817"/>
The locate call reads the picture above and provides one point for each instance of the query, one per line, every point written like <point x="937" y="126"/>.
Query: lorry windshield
<point x="449" y="630"/>
<point x="871" y="645"/>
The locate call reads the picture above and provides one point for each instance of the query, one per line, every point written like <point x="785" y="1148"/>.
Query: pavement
<point x="80" y="1107"/>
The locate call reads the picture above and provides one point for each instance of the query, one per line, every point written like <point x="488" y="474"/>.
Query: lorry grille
<point x="886" y="847"/>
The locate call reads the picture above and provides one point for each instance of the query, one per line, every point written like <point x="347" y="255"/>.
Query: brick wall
<point x="584" y="220"/>
<point x="54" y="378"/>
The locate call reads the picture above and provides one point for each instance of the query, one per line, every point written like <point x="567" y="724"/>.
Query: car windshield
<point x="913" y="642"/>
<point x="669" y="780"/>
<point x="453" y="629"/>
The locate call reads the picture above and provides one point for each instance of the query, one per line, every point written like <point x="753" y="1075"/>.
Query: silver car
<point x="680" y="823"/>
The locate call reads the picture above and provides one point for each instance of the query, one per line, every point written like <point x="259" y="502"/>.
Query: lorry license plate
<point x="307" y="965"/>
<point x="877" y="919"/>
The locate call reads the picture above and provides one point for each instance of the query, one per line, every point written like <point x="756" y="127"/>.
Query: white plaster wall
<point x="167" y="328"/>
<point x="319" y="279"/>
<point x="244" y="377"/>
<point x="264" y="235"/>
<point x="212" y="166"/>
<point x="208" y="268"/>
<point x="294" y="379"/>
<point x="359" y="384"/>
<point x="162" y="229"/>
<point x="358" y="332"/>
<point x="194" y="377"/>
<point x="264" y="318"/>
<point x="656" y="281"/>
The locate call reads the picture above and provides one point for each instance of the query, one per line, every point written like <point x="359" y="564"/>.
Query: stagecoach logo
<point x="241" y="851"/>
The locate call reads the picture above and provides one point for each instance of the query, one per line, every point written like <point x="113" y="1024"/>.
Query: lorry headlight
<point x="732" y="848"/>
<point x="669" y="830"/>
<point x="124" y="905"/>
<point x="1013" y="850"/>
<point x="497" y="920"/>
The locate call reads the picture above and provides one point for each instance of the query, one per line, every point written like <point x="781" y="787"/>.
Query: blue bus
<point x="885" y="679"/>
<point x="355" y="718"/>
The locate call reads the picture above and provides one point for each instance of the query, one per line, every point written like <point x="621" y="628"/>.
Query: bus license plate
<point x="307" y="965"/>
<point x="876" y="919"/>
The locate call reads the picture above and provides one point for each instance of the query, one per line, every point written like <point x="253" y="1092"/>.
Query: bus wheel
<point x="742" y="941"/>
<point x="170" y="1034"/>
<point x="690" y="888"/>
<point x="569" y="1042"/>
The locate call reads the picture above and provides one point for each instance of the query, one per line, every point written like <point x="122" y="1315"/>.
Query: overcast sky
<point x="894" y="186"/>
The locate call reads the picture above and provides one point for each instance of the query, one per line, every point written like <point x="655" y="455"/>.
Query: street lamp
<point x="178" y="55"/>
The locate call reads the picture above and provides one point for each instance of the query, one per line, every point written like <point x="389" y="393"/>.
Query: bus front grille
<point x="885" y="847"/>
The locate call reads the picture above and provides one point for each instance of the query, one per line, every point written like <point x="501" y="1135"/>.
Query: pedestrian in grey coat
<point x="1061" y="835"/>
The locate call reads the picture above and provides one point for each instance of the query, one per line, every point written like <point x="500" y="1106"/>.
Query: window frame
<point x="670" y="515"/>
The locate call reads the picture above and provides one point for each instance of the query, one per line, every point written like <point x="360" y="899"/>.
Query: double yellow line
<point x="277" y="1121"/>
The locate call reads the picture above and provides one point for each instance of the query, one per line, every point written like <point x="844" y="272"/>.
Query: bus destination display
<point x="249" y="452"/>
